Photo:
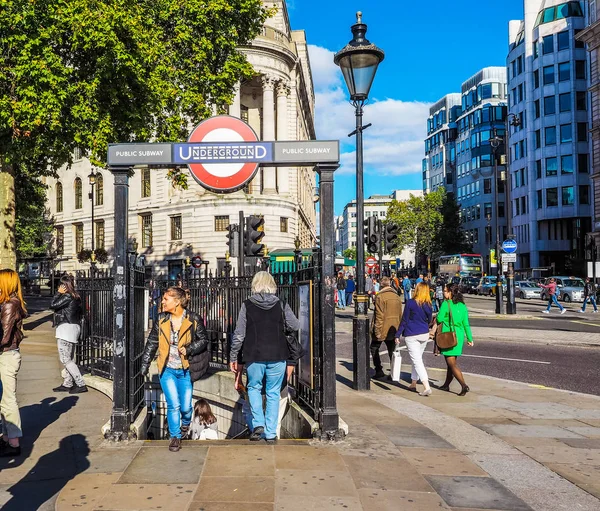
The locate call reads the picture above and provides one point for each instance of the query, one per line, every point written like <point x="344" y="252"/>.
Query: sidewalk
<point x="504" y="446"/>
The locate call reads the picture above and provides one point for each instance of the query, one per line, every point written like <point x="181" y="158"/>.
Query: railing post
<point x="329" y="418"/>
<point x="121" y="417"/>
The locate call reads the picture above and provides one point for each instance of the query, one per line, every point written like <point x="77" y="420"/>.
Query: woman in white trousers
<point x="414" y="327"/>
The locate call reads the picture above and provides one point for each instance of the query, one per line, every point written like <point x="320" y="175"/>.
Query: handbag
<point x="396" y="364"/>
<point x="446" y="340"/>
<point x="293" y="344"/>
<point x="200" y="362"/>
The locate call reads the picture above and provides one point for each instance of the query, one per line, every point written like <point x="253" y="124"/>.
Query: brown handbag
<point x="446" y="340"/>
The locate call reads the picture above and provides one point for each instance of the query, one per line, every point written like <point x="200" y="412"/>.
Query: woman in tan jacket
<point x="386" y="319"/>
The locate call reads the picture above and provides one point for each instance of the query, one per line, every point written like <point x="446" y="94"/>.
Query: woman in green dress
<point x="453" y="301"/>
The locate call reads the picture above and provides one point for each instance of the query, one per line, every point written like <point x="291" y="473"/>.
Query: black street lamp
<point x="495" y="142"/>
<point x="358" y="61"/>
<point x="92" y="180"/>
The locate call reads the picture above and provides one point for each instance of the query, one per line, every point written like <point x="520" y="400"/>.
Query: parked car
<point x="468" y="285"/>
<point x="487" y="286"/>
<point x="569" y="289"/>
<point x="528" y="290"/>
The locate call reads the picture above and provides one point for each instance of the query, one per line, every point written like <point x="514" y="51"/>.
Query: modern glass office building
<point x="549" y="152"/>
<point x="460" y="157"/>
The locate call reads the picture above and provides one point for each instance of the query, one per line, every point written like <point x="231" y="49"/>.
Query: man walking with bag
<point x="386" y="319"/>
<point x="589" y="294"/>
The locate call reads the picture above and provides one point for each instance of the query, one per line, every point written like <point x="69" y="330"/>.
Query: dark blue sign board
<point x="509" y="246"/>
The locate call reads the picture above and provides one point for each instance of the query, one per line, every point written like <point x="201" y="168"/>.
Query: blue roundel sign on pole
<point x="509" y="246"/>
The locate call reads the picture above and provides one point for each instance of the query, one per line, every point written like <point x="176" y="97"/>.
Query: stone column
<point x="235" y="109"/>
<point x="283" y="175"/>
<point x="268" y="130"/>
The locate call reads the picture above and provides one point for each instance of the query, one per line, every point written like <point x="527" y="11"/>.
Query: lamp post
<point x="495" y="143"/>
<point x="358" y="61"/>
<point x="92" y="180"/>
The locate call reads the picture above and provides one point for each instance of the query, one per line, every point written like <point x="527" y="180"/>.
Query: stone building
<point x="169" y="224"/>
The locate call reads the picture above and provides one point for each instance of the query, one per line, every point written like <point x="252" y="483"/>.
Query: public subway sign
<point x="223" y="153"/>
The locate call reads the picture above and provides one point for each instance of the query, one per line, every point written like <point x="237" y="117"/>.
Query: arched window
<point x="78" y="194"/>
<point x="59" y="197"/>
<point x="99" y="190"/>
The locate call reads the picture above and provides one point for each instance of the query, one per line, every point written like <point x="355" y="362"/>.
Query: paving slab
<point x="147" y="497"/>
<point x="385" y="474"/>
<point x="309" y="458"/>
<point x="227" y="506"/>
<point x="296" y="483"/>
<point x="478" y="492"/>
<point x="576" y="473"/>
<point x="414" y="437"/>
<point x="588" y="431"/>
<point x="244" y="460"/>
<point x="393" y="500"/>
<point x="582" y="443"/>
<point x="111" y="460"/>
<point x="307" y="503"/>
<point x="239" y="489"/>
<point x="529" y="431"/>
<point x="442" y="462"/>
<point x="183" y="467"/>
<point x="84" y="492"/>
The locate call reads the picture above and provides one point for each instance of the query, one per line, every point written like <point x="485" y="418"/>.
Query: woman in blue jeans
<point x="177" y="335"/>
<point x="259" y="336"/>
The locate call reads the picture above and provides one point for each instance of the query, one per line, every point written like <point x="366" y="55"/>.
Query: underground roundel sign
<point x="223" y="153"/>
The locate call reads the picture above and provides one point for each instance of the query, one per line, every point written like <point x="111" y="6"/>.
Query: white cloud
<point x="392" y="146"/>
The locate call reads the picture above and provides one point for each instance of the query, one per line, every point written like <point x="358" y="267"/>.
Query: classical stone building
<point x="169" y="224"/>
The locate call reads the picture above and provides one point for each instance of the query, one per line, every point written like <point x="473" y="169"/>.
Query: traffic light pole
<point x="241" y="271"/>
<point x="380" y="244"/>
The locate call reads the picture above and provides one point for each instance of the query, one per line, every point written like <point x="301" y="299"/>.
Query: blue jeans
<point x="341" y="298"/>
<point x="256" y="373"/>
<point x="592" y="300"/>
<point x="348" y="297"/>
<point x="177" y="387"/>
<point x="552" y="300"/>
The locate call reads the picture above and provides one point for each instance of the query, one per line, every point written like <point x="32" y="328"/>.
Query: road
<point x="563" y="367"/>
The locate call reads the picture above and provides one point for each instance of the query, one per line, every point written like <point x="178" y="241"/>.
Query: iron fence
<point x="136" y="310"/>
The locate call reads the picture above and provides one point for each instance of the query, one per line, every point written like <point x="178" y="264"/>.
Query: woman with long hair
<point x="177" y="335"/>
<point x="414" y="327"/>
<point x="454" y="317"/>
<point x="13" y="311"/>
<point x="66" y="305"/>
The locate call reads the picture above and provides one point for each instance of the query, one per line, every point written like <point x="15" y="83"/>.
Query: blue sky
<point x="431" y="47"/>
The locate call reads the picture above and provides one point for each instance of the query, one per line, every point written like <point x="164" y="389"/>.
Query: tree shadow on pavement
<point x="34" y="420"/>
<point x="49" y="475"/>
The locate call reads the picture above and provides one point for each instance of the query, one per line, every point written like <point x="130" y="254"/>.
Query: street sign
<point x="371" y="262"/>
<point x="140" y="154"/>
<point x="197" y="261"/>
<point x="509" y="246"/>
<point x="509" y="258"/>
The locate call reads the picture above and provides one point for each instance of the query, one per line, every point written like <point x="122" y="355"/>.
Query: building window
<point x="551" y="166"/>
<point x="563" y="40"/>
<point x="487" y="186"/>
<point x="538" y="139"/>
<point x="566" y="164"/>
<point x="566" y="133"/>
<point x="176" y="227"/>
<point x="536" y="79"/>
<point x="78" y="194"/>
<point x="536" y="108"/>
<point x="77" y="154"/>
<point x="564" y="102"/>
<point x="283" y="224"/>
<point x="564" y="71"/>
<point x="146" y="188"/>
<point x="548" y="44"/>
<point x="60" y="239"/>
<point x="583" y="163"/>
<point x="99" y="190"/>
<point x="517" y="208"/>
<point x="584" y="194"/>
<point x="59" y="197"/>
<point x="549" y="105"/>
<point x="540" y="204"/>
<point x="146" y="231"/>
<point x="501" y="209"/>
<point x="551" y="197"/>
<point x="550" y="135"/>
<point x="568" y="196"/>
<point x="548" y="75"/>
<point x="581" y="101"/>
<point x="538" y="169"/>
<point x="221" y="223"/>
<point x="582" y="132"/>
<point x="580" y="70"/>
<point x="99" y="233"/>
<point x="536" y="51"/>
<point x="78" y="238"/>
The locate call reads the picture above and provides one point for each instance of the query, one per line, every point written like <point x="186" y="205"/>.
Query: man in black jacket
<point x="589" y="293"/>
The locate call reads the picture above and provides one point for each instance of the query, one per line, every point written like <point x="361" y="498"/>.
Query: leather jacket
<point x="66" y="309"/>
<point x="194" y="338"/>
<point x="11" y="324"/>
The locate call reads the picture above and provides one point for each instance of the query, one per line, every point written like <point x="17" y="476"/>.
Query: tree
<point x="350" y="253"/>
<point x="452" y="239"/>
<point x="83" y="73"/>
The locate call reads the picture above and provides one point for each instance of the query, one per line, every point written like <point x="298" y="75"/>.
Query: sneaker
<point x="379" y="374"/>
<point x="271" y="441"/>
<point x="175" y="444"/>
<point x="9" y="451"/>
<point x="594" y="312"/>
<point x="76" y="389"/>
<point x="546" y="312"/>
<point x="425" y="393"/>
<point x="256" y="435"/>
<point x="582" y="311"/>
<point x="563" y="311"/>
<point x="62" y="388"/>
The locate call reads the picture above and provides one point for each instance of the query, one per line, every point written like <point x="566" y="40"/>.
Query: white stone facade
<point x="278" y="103"/>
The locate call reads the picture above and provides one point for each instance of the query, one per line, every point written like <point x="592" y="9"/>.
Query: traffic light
<point x="389" y="237"/>
<point x="255" y="231"/>
<point x="233" y="240"/>
<point x="372" y="235"/>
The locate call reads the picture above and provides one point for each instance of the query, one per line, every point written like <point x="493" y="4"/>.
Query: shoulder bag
<point x="447" y="340"/>
<point x="200" y="362"/>
<point x="293" y="344"/>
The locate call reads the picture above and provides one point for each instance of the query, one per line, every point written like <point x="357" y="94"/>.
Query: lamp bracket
<point x="362" y="128"/>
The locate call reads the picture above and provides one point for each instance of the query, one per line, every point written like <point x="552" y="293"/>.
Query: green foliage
<point x="429" y="224"/>
<point x="350" y="253"/>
